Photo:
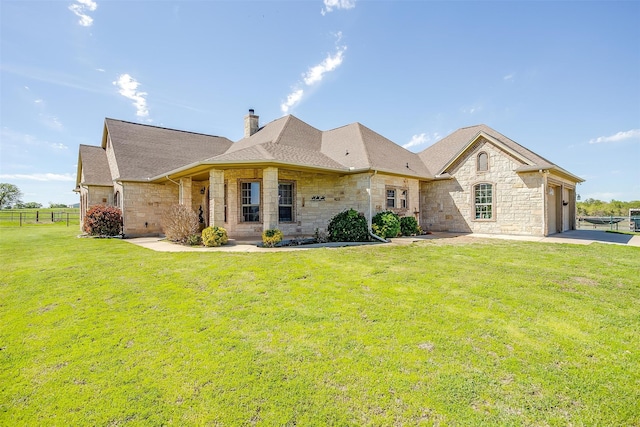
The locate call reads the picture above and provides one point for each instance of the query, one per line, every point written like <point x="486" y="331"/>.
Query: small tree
<point x="103" y="220"/>
<point x="57" y="205"/>
<point x="179" y="222"/>
<point x="409" y="226"/>
<point x="9" y="194"/>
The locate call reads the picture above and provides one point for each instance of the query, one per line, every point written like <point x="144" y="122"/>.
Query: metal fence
<point x="619" y="223"/>
<point x="15" y="218"/>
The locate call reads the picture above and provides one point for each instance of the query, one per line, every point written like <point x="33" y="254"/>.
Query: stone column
<point x="216" y="198"/>
<point x="270" y="198"/>
<point x="185" y="191"/>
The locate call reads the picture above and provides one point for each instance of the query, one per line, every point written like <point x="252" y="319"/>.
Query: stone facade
<point x="317" y="198"/>
<point x="143" y="205"/>
<point x="518" y="198"/>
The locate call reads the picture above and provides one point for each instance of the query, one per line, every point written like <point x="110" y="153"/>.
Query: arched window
<point x="483" y="204"/>
<point x="116" y="199"/>
<point x="482" y="162"/>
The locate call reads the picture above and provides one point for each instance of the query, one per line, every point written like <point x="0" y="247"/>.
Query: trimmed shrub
<point x="214" y="236"/>
<point x="179" y="222"/>
<point x="271" y="237"/>
<point x="409" y="226"/>
<point x="386" y="224"/>
<point x="103" y="220"/>
<point x="348" y="226"/>
<point x="194" y="240"/>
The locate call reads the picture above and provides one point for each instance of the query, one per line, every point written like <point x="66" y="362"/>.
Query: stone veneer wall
<point x="518" y="205"/>
<point x="143" y="205"/>
<point x="318" y="197"/>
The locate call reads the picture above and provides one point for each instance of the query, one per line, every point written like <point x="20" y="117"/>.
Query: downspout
<point x="370" y="221"/>
<point x="179" y="189"/>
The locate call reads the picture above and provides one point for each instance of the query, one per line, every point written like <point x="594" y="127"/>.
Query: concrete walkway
<point x="578" y="237"/>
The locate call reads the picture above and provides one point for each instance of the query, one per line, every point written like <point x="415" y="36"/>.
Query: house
<point x="294" y="177"/>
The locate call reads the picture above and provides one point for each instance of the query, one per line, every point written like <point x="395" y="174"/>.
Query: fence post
<point x="67" y="219"/>
<point x="37" y="216"/>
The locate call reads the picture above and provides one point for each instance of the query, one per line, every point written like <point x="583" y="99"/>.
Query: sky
<point x="561" y="78"/>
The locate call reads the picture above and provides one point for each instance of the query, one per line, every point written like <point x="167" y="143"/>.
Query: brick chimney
<point x="251" y="125"/>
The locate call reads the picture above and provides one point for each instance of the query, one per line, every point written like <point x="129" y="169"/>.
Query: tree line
<point x="595" y="207"/>
<point x="11" y="198"/>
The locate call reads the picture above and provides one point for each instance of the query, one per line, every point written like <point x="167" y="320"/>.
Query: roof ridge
<point x="359" y="127"/>
<point x="286" y="122"/>
<point x="164" y="128"/>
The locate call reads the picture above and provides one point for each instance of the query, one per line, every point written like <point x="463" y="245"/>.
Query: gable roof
<point x="93" y="168"/>
<point x="289" y="141"/>
<point x="441" y="155"/>
<point x="144" y="151"/>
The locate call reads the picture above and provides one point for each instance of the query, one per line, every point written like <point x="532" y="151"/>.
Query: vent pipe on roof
<point x="251" y="125"/>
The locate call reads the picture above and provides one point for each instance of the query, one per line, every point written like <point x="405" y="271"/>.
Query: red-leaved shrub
<point x="103" y="220"/>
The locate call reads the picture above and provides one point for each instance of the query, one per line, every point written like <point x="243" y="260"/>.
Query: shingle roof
<point x="290" y="140"/>
<point x="144" y="151"/>
<point x="93" y="165"/>
<point x="440" y="154"/>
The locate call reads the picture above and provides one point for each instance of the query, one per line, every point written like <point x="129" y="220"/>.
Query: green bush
<point x="409" y="226"/>
<point x="194" y="240"/>
<point x="214" y="236"/>
<point x="179" y="222"/>
<point x="386" y="224"/>
<point x="103" y="220"/>
<point x="271" y="237"/>
<point x="348" y="226"/>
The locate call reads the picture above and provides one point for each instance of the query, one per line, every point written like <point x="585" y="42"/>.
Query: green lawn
<point x="101" y="332"/>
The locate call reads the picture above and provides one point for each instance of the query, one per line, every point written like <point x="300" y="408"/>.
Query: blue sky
<point x="561" y="78"/>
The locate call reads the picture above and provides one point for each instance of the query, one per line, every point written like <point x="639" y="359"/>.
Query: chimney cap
<point x="251" y="111"/>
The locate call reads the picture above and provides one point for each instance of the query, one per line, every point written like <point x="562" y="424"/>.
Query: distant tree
<point x="10" y="194"/>
<point x="57" y="205"/>
<point x="31" y="205"/>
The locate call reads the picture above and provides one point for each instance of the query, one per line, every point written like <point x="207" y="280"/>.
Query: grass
<point x="102" y="332"/>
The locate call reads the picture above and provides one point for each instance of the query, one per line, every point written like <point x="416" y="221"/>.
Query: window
<point x="391" y="198"/>
<point x="403" y="199"/>
<point x="484" y="201"/>
<point x="285" y="202"/>
<point x="116" y="199"/>
<point x="397" y="198"/>
<point x="483" y="162"/>
<point x="250" y="195"/>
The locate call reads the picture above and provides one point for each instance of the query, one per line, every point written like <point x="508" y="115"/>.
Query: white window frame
<point x="484" y="201"/>
<point x="243" y="205"/>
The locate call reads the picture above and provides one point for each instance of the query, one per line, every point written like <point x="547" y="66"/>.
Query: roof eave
<point x="550" y="168"/>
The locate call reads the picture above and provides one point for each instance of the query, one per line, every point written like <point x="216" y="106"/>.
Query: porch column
<point x="216" y="198"/>
<point x="270" y="198"/>
<point x="185" y="191"/>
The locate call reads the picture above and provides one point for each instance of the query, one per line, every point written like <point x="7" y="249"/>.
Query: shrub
<point x="271" y="237"/>
<point x="214" y="236"/>
<point x="409" y="226"/>
<point x="103" y="220"/>
<point x="194" y="240"/>
<point x="179" y="222"/>
<point x="348" y="226"/>
<point x="386" y="224"/>
<point x="320" y="236"/>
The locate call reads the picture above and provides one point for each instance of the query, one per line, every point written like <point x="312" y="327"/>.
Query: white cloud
<point x="329" y="5"/>
<point x="330" y="63"/>
<point x="128" y="86"/>
<point x="15" y="140"/>
<point x="509" y="77"/>
<point x="421" y="139"/>
<point x="80" y="8"/>
<point x="315" y="75"/>
<point x="40" y="177"/>
<point x="100" y="69"/>
<point x="620" y="136"/>
<point x="292" y="99"/>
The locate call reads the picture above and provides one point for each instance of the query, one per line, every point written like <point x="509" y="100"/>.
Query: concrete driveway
<point x="578" y="237"/>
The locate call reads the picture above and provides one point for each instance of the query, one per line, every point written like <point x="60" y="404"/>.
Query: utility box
<point x="634" y="220"/>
